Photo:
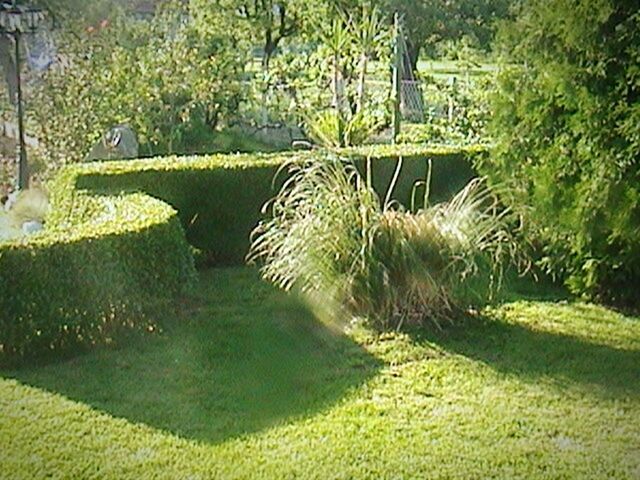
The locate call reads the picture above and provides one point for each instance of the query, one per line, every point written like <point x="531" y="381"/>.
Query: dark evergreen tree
<point x="567" y="124"/>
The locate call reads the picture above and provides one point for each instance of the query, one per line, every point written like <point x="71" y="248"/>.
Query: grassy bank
<point x="243" y="383"/>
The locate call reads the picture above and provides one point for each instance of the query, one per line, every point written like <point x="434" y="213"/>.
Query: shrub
<point x="105" y="258"/>
<point x="567" y="130"/>
<point x="334" y="129"/>
<point x="72" y="287"/>
<point x="219" y="197"/>
<point x="456" y="113"/>
<point x="171" y="79"/>
<point x="332" y="238"/>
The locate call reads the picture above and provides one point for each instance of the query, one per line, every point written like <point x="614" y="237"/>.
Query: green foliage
<point x="332" y="130"/>
<point x="326" y="67"/>
<point x="457" y="112"/>
<point x="80" y="284"/>
<point x="567" y="122"/>
<point x="332" y="238"/>
<point x="429" y="22"/>
<point x="219" y="197"/>
<point x="168" y="78"/>
<point x="267" y="23"/>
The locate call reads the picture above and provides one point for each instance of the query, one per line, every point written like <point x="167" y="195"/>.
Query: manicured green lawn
<point x="244" y="383"/>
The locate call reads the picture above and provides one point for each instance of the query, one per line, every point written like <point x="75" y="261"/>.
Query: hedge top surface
<point x="191" y="162"/>
<point x="413" y="150"/>
<point x="252" y="160"/>
<point x="113" y="216"/>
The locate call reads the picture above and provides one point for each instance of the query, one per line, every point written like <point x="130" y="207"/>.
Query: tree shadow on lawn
<point x="241" y="358"/>
<point x="562" y="359"/>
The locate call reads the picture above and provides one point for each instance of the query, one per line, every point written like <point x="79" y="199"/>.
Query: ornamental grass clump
<point x="330" y="237"/>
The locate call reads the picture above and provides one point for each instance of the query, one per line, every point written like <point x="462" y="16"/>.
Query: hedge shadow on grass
<point x="595" y="367"/>
<point x="238" y="358"/>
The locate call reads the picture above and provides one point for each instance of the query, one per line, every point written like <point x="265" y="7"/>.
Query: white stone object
<point x="32" y="226"/>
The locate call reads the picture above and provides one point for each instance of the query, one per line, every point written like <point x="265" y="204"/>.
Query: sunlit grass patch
<point x="245" y="384"/>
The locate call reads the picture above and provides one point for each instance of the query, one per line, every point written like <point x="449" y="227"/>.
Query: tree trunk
<point x="8" y="66"/>
<point x="269" y="47"/>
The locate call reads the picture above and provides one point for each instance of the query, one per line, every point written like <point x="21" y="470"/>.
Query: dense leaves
<point x="219" y="197"/>
<point x="456" y="112"/>
<point x="568" y="130"/>
<point x="83" y="281"/>
<point x="428" y="22"/>
<point x="168" y="79"/>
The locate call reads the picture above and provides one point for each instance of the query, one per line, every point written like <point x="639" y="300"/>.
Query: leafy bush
<point x="172" y="80"/>
<point x="332" y="238"/>
<point x="332" y="129"/>
<point x="72" y="287"/>
<point x="567" y="128"/>
<point x="457" y="112"/>
<point x="219" y="197"/>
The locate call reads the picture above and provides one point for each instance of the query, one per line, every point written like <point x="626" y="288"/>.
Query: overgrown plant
<point x="332" y="128"/>
<point x="332" y="238"/>
<point x="173" y="79"/>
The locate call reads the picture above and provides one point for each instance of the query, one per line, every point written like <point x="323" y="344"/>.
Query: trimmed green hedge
<point x="452" y="168"/>
<point x="78" y="286"/>
<point x="110" y="250"/>
<point x="219" y="197"/>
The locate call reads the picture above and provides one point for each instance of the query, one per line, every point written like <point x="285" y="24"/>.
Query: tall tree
<point x="426" y="22"/>
<point x="273" y="21"/>
<point x="567" y="125"/>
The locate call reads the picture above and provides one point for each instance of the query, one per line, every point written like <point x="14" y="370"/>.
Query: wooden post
<point x="396" y="80"/>
<point x="338" y="98"/>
